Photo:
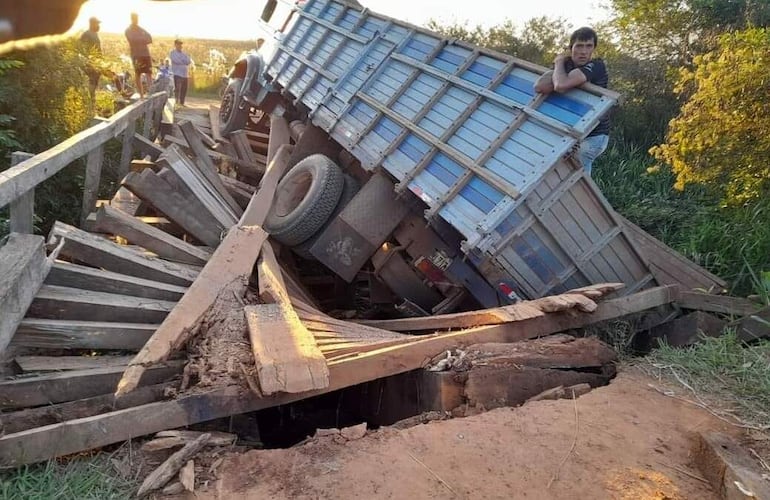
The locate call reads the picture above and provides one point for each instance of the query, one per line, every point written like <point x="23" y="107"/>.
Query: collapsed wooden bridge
<point x="177" y="262"/>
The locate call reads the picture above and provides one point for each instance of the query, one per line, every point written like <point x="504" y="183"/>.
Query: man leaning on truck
<point x="571" y="70"/>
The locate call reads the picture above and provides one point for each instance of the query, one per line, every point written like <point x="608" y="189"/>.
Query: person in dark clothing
<point x="572" y="70"/>
<point x="139" y="41"/>
<point x="91" y="46"/>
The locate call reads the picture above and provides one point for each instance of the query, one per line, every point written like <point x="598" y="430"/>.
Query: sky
<point x="236" y="19"/>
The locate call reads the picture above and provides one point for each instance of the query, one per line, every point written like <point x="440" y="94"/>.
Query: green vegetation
<point x="722" y="369"/>
<point x="77" y="479"/>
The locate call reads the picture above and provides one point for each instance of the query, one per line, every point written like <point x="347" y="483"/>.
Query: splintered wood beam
<point x="113" y="221"/>
<point x="74" y="436"/>
<point x="232" y="262"/>
<point x="205" y="166"/>
<point x="260" y="203"/>
<point x="59" y="302"/>
<point x="99" y="280"/>
<point x="182" y="211"/>
<point x="23" y="267"/>
<point x="723" y="304"/>
<point x="100" y="252"/>
<point x="72" y="334"/>
<point x="285" y="352"/>
<point x="76" y="384"/>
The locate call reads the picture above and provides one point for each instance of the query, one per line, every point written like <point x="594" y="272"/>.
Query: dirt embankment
<point x="623" y="441"/>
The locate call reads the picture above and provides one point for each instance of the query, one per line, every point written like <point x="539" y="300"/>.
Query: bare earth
<point x="624" y="441"/>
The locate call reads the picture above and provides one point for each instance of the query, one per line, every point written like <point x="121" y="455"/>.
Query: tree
<point x="7" y="135"/>
<point x="720" y="138"/>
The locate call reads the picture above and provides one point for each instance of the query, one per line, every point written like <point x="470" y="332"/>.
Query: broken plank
<point x="156" y="191"/>
<point x="125" y="201"/>
<point x="232" y="261"/>
<point x="110" y="220"/>
<point x="31" y="418"/>
<point x="64" y="363"/>
<point x="23" y="268"/>
<point x="260" y="203"/>
<point x="754" y="326"/>
<point x="70" y="334"/>
<point x="147" y="147"/>
<point x="168" y="469"/>
<point x="717" y="303"/>
<point x="101" y="252"/>
<point x="59" y="302"/>
<point x="206" y="167"/>
<point x="99" y="280"/>
<point x="729" y="468"/>
<point x="77" y="384"/>
<point x="242" y="146"/>
<point x="214" y="120"/>
<point x="285" y="352"/>
<point x="77" y="435"/>
<point x="240" y="195"/>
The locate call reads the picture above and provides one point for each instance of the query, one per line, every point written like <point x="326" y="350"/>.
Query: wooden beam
<point x="75" y="384"/>
<point x="65" y="363"/>
<point x="207" y="167"/>
<point x="128" y="148"/>
<point x="125" y="201"/>
<point x="77" y="435"/>
<point x="23" y="268"/>
<point x="214" y="120"/>
<point x="729" y="467"/>
<point x="99" y="280"/>
<point x="110" y="220"/>
<point x="279" y="136"/>
<point x="717" y="303"/>
<point x="232" y="262"/>
<point x="242" y="146"/>
<point x="22" y="208"/>
<point x="285" y="352"/>
<point x="91" y="184"/>
<point x="754" y="326"/>
<point x="60" y="302"/>
<point x="70" y="334"/>
<point x="177" y="204"/>
<point x="17" y="421"/>
<point x="106" y="254"/>
<point x="28" y="174"/>
<point x="147" y="147"/>
<point x="260" y="203"/>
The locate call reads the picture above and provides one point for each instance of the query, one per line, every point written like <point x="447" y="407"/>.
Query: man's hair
<point x="584" y="33"/>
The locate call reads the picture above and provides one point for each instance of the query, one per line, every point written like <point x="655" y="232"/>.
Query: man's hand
<point x="561" y="58"/>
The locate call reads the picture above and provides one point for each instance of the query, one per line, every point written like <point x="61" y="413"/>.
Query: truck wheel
<point x="304" y="200"/>
<point x="349" y="189"/>
<point x="231" y="117"/>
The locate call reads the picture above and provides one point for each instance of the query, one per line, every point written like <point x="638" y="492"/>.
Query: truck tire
<point x="231" y="117"/>
<point x="349" y="189"/>
<point x="304" y="200"/>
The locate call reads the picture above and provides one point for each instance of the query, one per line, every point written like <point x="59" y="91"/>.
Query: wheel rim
<point x="228" y="105"/>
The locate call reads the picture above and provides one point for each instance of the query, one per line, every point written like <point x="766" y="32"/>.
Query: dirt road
<point x="624" y="441"/>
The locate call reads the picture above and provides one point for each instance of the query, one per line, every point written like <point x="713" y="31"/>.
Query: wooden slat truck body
<point x="463" y="130"/>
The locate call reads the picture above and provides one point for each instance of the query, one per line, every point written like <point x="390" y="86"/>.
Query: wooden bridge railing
<point x="17" y="184"/>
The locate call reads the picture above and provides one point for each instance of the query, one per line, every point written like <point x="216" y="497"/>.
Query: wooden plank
<point x="669" y="266"/>
<point x="70" y="334"/>
<point x="28" y="174"/>
<point x="203" y="133"/>
<point x="110" y="220"/>
<point x="64" y="363"/>
<point x="754" y="326"/>
<point x="260" y="203"/>
<point x="125" y="201"/>
<point x="91" y="185"/>
<point x="285" y="352"/>
<point x="232" y="262"/>
<point x="166" y="192"/>
<point x="99" y="280"/>
<point x="279" y="136"/>
<point x="31" y="418"/>
<point x="717" y="303"/>
<point x="214" y="120"/>
<point x="106" y="254"/>
<point x="76" y="384"/>
<point x="191" y="177"/>
<point x="729" y="468"/>
<point x="242" y="146"/>
<point x="687" y="330"/>
<point x="61" y="302"/>
<point x="207" y="167"/>
<point x="82" y="434"/>
<point x="147" y="147"/>
<point x="23" y="268"/>
<point x="139" y="165"/>
<point x="23" y="207"/>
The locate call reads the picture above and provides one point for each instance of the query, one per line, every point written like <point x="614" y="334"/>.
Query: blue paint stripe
<point x="558" y="113"/>
<point x="383" y="131"/>
<point x="569" y="104"/>
<point x="413" y="147"/>
<point x="551" y="263"/>
<point x="508" y="224"/>
<point x="420" y="47"/>
<point x="441" y="173"/>
<point x="483" y="70"/>
<point x="475" y="78"/>
<point x="492" y="194"/>
<point x="519" y="84"/>
<point x="443" y="66"/>
<point x="476" y="199"/>
<point x="446" y="55"/>
<point x="452" y="166"/>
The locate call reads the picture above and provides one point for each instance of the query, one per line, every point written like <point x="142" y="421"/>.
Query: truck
<point x="430" y="165"/>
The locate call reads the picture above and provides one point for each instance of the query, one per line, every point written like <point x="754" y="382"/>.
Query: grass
<point x="78" y="479"/>
<point x="722" y="371"/>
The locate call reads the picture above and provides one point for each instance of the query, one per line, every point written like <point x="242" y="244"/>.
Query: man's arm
<point x="563" y="81"/>
<point x="544" y="84"/>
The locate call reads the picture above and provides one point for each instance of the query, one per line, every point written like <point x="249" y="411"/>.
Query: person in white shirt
<point x="180" y="67"/>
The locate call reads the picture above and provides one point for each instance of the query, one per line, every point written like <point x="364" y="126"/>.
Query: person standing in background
<point x="180" y="66"/>
<point x="139" y="41"/>
<point x="91" y="46"/>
